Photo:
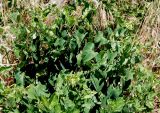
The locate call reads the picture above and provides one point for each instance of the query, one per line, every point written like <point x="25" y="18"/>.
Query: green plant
<point x="72" y="65"/>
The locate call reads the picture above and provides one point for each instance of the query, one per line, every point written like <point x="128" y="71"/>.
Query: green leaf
<point x="59" y="42"/>
<point x="150" y="104"/>
<point x="6" y="68"/>
<point x="138" y="106"/>
<point x="64" y="33"/>
<point x="115" y="106"/>
<point x="16" y="111"/>
<point x="90" y="95"/>
<point x="122" y="33"/>
<point x="15" y="16"/>
<point x="113" y="92"/>
<point x="54" y="104"/>
<point x="76" y="111"/>
<point x="129" y="74"/>
<point x="88" y="53"/>
<point x="112" y="56"/>
<point x="101" y="58"/>
<point x="1" y="30"/>
<point x="19" y="78"/>
<point x="69" y="104"/>
<point x="117" y="33"/>
<point x="17" y="52"/>
<point x="88" y="47"/>
<point x="59" y="85"/>
<point x="33" y="48"/>
<point x="34" y="36"/>
<point x="25" y="53"/>
<point x="35" y="92"/>
<point x="79" y="58"/>
<point x="88" y="56"/>
<point x="99" y="38"/>
<point x="31" y="92"/>
<point x="79" y="38"/>
<point x="70" y="20"/>
<point x="97" y="84"/>
<point x="150" y="100"/>
<point x="88" y="104"/>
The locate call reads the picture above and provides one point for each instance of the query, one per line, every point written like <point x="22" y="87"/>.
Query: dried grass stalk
<point x="149" y="32"/>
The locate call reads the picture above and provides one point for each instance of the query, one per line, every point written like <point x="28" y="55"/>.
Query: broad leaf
<point x="79" y="38"/>
<point x="88" y="52"/>
<point x="99" y="38"/>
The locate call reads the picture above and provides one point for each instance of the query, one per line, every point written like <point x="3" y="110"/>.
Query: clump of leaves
<point x="68" y="66"/>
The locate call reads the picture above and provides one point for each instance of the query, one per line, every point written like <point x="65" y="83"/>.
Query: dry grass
<point x="149" y="34"/>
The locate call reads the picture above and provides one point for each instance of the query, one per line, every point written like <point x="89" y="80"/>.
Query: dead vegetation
<point x="149" y="34"/>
